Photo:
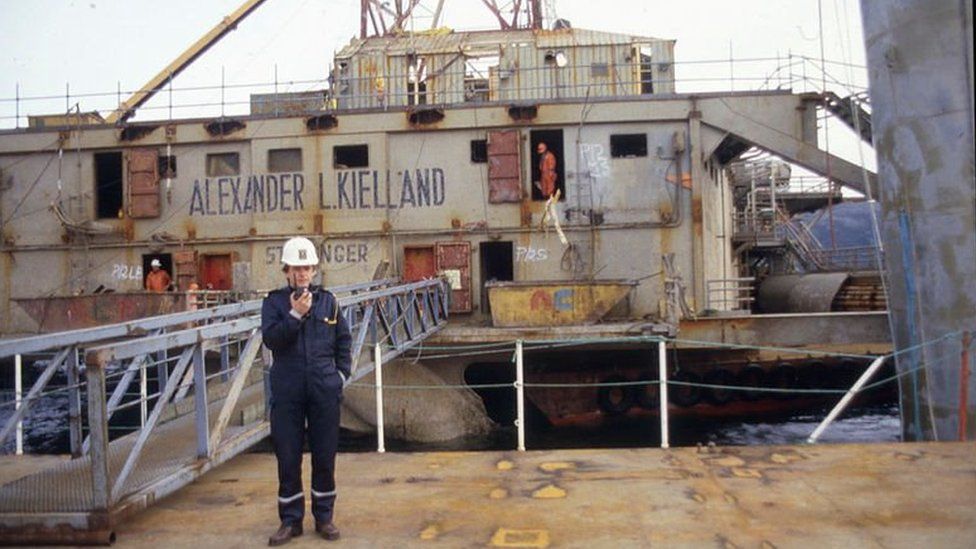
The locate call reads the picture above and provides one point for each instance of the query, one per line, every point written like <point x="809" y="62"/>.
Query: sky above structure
<point x="88" y="53"/>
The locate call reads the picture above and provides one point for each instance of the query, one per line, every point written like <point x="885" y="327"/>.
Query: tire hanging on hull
<point x="615" y="400"/>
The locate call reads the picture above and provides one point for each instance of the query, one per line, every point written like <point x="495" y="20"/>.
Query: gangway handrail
<point x="43" y="342"/>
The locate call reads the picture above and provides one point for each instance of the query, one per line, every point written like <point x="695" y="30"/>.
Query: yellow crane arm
<point x="128" y="107"/>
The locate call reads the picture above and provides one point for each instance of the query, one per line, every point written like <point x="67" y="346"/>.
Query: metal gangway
<point x="79" y="500"/>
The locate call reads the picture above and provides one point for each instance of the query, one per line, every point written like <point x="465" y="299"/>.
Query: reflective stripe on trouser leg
<point x="323" y="442"/>
<point x="287" y="434"/>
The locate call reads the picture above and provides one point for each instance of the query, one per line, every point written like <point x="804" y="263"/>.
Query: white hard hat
<point x="299" y="251"/>
<point x="155" y="263"/>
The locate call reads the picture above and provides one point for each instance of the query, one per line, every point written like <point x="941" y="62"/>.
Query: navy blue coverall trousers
<point x="312" y="359"/>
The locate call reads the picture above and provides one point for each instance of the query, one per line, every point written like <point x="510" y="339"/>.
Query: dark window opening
<point x="554" y="143"/>
<point x="479" y="151"/>
<point x="108" y="185"/>
<point x="167" y="167"/>
<point x="284" y="160"/>
<point x="628" y="145"/>
<point x="350" y="156"/>
<point x="497" y="264"/>
<point x="220" y="164"/>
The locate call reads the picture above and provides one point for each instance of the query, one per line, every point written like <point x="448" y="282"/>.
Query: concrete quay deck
<point x="864" y="495"/>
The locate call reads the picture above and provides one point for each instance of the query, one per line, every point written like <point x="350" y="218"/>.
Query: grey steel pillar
<point x="920" y="63"/>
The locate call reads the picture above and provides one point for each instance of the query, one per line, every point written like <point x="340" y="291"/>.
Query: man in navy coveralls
<point x="310" y="342"/>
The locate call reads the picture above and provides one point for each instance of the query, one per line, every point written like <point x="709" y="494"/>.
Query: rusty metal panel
<point x="504" y="167"/>
<point x="454" y="261"/>
<point x="54" y="314"/>
<point x="186" y="268"/>
<point x="143" y="183"/>
<point x="554" y="303"/>
<point x="418" y="263"/>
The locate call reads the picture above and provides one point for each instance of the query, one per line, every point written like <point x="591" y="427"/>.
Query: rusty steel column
<point x="920" y="67"/>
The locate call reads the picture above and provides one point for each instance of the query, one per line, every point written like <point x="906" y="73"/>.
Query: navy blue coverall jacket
<point x="312" y="359"/>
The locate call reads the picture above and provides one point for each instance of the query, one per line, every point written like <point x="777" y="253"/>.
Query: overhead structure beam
<point x="128" y="107"/>
<point x="720" y="116"/>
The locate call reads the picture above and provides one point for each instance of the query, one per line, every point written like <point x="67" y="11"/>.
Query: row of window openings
<point x="357" y="156"/>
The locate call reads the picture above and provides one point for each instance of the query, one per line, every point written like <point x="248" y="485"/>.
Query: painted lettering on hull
<point x="268" y="193"/>
<point x="372" y="189"/>
<point x="288" y="192"/>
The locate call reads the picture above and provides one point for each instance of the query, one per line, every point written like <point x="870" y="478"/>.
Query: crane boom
<point x="128" y="107"/>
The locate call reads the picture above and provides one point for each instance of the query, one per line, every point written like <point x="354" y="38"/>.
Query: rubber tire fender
<point x="685" y="395"/>
<point x="720" y="376"/>
<point x="606" y="396"/>
<point x="751" y="376"/>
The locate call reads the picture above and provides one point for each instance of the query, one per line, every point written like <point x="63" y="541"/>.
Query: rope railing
<point x="517" y="350"/>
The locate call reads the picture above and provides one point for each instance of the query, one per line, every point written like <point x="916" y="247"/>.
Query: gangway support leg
<point x="98" y="425"/>
<point x="200" y="401"/>
<point x="74" y="405"/>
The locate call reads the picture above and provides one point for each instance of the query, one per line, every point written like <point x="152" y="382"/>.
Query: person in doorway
<point x="547" y="170"/>
<point x="311" y="347"/>
<point x="158" y="279"/>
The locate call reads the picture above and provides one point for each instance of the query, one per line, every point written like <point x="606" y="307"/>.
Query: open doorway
<point x="166" y="264"/>
<point x="554" y="142"/>
<point x="496" y="265"/>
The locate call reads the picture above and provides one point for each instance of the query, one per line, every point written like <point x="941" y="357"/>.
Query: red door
<point x="418" y="263"/>
<point x="454" y="261"/>
<point x="216" y="272"/>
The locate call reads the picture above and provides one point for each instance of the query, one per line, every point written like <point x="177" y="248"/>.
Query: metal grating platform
<point x="67" y="487"/>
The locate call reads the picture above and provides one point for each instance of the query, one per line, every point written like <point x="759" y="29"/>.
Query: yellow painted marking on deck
<point x="510" y="537"/>
<point x="746" y="472"/>
<point x="729" y="461"/>
<point x="784" y="458"/>
<point x="697" y="497"/>
<point x="505" y="465"/>
<point x="498" y="493"/>
<point x="553" y="466"/>
<point x="434" y="466"/>
<point x="549" y="491"/>
<point x="430" y="532"/>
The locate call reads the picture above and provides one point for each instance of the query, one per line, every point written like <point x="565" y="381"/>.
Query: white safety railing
<point x="284" y="96"/>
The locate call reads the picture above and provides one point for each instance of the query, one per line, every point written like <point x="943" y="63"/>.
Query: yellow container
<point x="554" y="303"/>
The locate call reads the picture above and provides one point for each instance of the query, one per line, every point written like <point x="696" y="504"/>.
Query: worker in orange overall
<point x="158" y="279"/>
<point x="547" y="170"/>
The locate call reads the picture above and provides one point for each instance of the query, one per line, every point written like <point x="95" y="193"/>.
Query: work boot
<point x="327" y="530"/>
<point x="284" y="534"/>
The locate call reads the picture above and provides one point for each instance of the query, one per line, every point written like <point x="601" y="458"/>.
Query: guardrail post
<point x="662" y="369"/>
<point x="378" y="372"/>
<point x="224" y="358"/>
<point x="200" y="401"/>
<point x="162" y="373"/>
<point x="142" y="394"/>
<point x="18" y="395"/>
<point x="98" y="426"/>
<point x="74" y="405"/>
<point x="520" y="395"/>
